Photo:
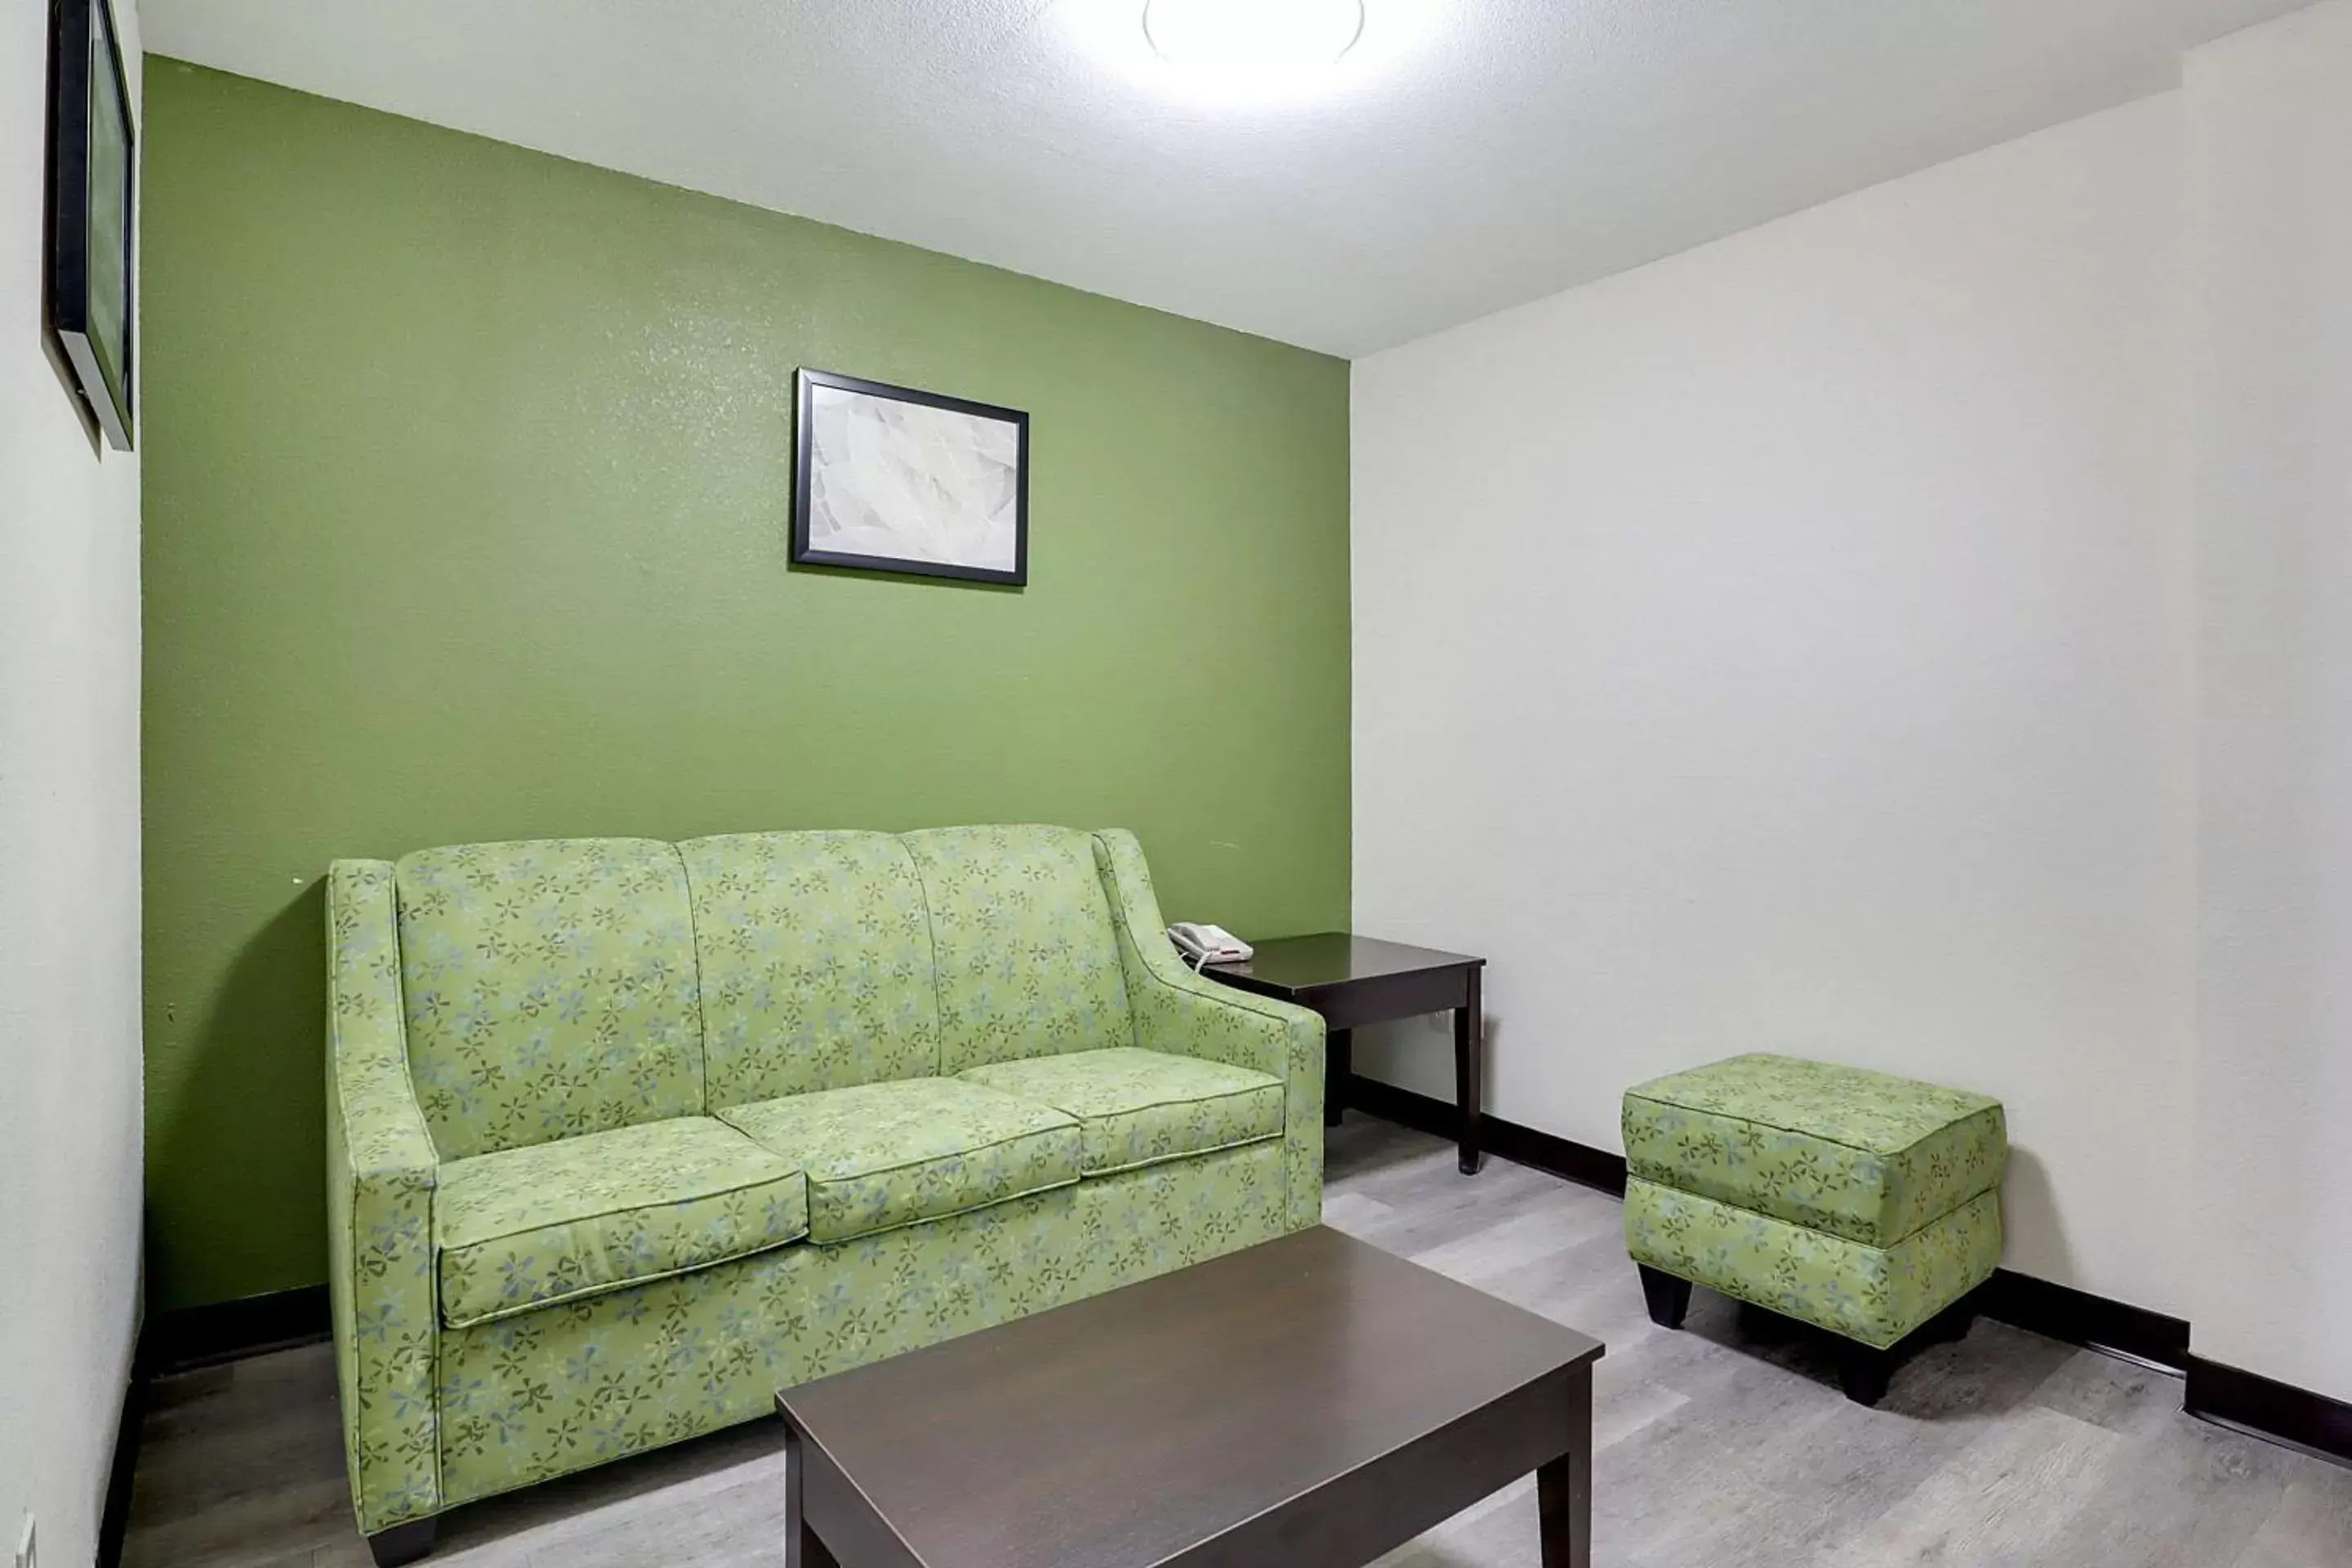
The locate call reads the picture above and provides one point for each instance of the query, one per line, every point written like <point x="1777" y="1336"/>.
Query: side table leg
<point x="1564" y="1488"/>
<point x="1339" y="1067"/>
<point x="1469" y="1054"/>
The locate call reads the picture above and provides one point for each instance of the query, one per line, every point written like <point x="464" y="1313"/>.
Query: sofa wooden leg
<point x="1668" y="1297"/>
<point x="402" y="1542"/>
<point x="1864" y="1373"/>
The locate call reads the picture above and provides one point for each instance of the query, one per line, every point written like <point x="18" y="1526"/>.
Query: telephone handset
<point x="1206" y="944"/>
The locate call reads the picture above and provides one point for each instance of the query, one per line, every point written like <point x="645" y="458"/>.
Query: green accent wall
<point x="468" y="506"/>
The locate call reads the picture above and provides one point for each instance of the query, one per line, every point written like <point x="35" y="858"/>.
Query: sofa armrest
<point x="380" y="1174"/>
<point x="1185" y="1014"/>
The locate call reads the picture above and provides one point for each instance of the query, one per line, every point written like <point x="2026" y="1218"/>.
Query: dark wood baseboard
<point x="1405" y="1108"/>
<point x="185" y="1341"/>
<point x="2263" y="1407"/>
<point x="2078" y="1318"/>
<point x="2056" y="1311"/>
<point x="1546" y="1152"/>
<point x="196" y="1337"/>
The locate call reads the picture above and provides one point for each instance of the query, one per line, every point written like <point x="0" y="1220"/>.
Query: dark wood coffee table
<point x="1312" y="1402"/>
<point x="1358" y="979"/>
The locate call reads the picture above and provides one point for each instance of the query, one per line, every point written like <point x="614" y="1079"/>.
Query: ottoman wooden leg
<point x="1668" y="1297"/>
<point x="1864" y="1371"/>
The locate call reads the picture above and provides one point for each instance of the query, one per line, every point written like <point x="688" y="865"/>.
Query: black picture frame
<point x="805" y="554"/>
<point x="93" y="214"/>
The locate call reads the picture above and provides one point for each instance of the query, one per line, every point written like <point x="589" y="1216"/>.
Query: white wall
<point x="69" y="1029"/>
<point x="1788" y="645"/>
<point x="2270" y="124"/>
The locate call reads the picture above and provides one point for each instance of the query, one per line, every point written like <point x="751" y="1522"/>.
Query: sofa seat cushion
<point x="880" y="1156"/>
<point x="1137" y="1107"/>
<point x="1858" y="1155"/>
<point x="555" y="1222"/>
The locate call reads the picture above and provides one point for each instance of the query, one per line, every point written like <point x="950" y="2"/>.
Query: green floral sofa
<point x="624" y="1136"/>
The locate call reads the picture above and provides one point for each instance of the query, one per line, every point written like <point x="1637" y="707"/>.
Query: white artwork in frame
<point x="891" y="479"/>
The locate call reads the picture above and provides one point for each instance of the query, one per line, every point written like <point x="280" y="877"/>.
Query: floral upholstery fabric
<point x="542" y="1394"/>
<point x="550" y="989"/>
<point x="1872" y="1294"/>
<point x="880" y="1156"/>
<point x="1861" y="1155"/>
<point x="1185" y="1014"/>
<point x="1137" y="1108"/>
<point x="1021" y="932"/>
<point x="381" y="1174"/>
<point x="553" y="1222"/>
<point x="504" y="997"/>
<point x="815" y="951"/>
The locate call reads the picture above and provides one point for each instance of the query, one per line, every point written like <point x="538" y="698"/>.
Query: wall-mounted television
<point x="93" y="181"/>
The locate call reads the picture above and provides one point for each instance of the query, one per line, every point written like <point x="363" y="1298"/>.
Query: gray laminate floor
<point x="1721" y="1446"/>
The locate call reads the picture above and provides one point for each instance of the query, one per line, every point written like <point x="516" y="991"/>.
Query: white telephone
<point x="1206" y="944"/>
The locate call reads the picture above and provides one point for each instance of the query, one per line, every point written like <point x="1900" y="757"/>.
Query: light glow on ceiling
<point x="1257" y="44"/>
<point x="1256" y="59"/>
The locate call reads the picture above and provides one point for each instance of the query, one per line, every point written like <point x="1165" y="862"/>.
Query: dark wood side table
<point x="1356" y="980"/>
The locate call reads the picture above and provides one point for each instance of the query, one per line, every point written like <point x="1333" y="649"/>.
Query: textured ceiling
<point x="1468" y="155"/>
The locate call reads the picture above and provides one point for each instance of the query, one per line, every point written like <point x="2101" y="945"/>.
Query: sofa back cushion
<point x="1028" y="963"/>
<point x="550" y="989"/>
<point x="816" y="952"/>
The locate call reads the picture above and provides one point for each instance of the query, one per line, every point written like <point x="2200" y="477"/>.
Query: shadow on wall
<point x="2030" y="1210"/>
<point x="1418" y="1054"/>
<point x="258" y="1066"/>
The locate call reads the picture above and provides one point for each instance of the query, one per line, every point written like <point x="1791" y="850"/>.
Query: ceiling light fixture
<point x="1253" y="42"/>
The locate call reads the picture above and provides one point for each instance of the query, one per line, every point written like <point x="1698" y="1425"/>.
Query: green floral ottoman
<point x="1864" y="1203"/>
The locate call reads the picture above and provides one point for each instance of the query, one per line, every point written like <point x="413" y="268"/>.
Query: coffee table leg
<point x="802" y="1548"/>
<point x="1469" y="1053"/>
<point x="1564" y="1490"/>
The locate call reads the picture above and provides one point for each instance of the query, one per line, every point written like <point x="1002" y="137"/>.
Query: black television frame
<point x="77" y="28"/>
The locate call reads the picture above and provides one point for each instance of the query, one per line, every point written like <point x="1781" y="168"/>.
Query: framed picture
<point x="94" y="171"/>
<point x="891" y="479"/>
